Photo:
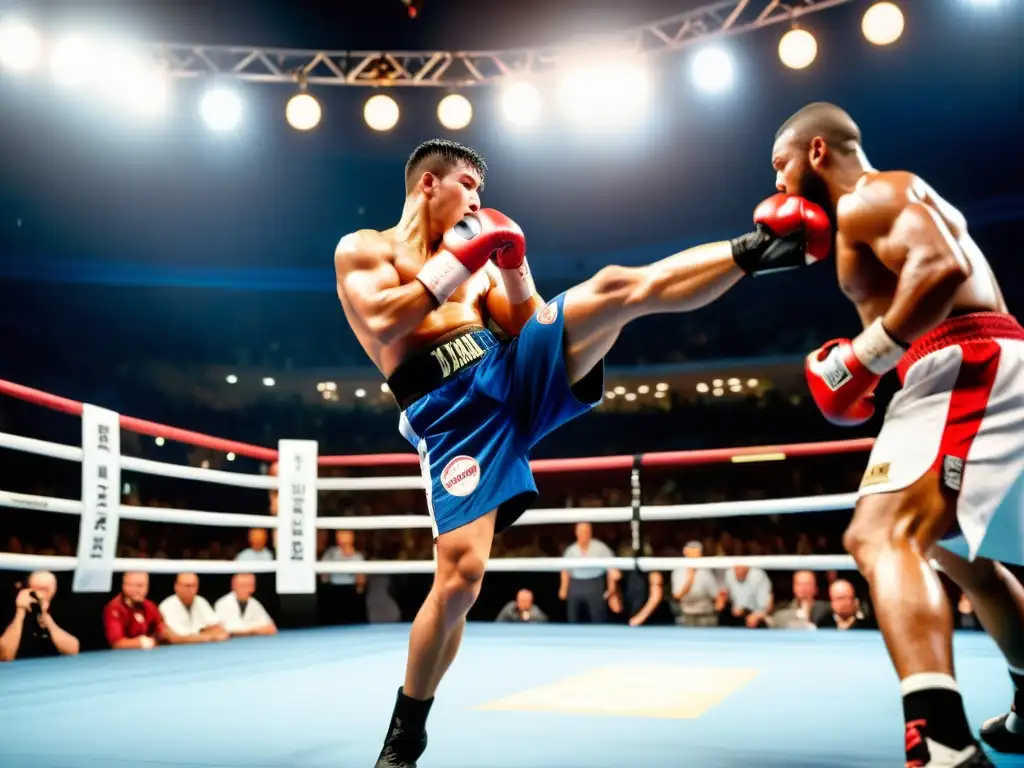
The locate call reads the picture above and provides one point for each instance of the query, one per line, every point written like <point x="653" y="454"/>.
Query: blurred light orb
<point x="381" y="112"/>
<point x="455" y="112"/>
<point x="882" y="23"/>
<point x="303" y="112"/>
<point x="798" y="49"/>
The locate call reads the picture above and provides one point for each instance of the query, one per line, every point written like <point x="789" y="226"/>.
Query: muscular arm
<point x="10" y="640"/>
<point x="368" y="281"/>
<point x="909" y="237"/>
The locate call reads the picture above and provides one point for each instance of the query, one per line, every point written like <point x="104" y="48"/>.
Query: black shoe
<point x="994" y="733"/>
<point x="407" y="734"/>
<point x="401" y="749"/>
<point x="923" y="752"/>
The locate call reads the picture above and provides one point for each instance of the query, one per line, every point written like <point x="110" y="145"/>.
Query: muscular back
<point x="893" y="221"/>
<point x="390" y="313"/>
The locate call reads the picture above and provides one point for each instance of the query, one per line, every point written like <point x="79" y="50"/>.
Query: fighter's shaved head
<point x="828" y="121"/>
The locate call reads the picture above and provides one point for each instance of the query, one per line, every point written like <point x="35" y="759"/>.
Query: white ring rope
<point x="13" y="562"/>
<point x="297" y="484"/>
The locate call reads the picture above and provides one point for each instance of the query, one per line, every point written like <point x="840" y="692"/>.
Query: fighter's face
<point x="452" y="196"/>
<point x="797" y="173"/>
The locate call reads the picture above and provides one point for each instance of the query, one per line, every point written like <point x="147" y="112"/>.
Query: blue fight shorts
<point x="474" y="407"/>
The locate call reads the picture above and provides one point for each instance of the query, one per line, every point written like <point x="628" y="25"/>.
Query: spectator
<point x="845" y="613"/>
<point x="257" y="549"/>
<point x="188" y="616"/>
<point x="131" y="620"/>
<point x="241" y="614"/>
<point x="33" y="633"/>
<point x="653" y="609"/>
<point x="587" y="590"/>
<point x="522" y="609"/>
<point x="346" y="593"/>
<point x="749" y="594"/>
<point x="696" y="591"/>
<point x="804" y="611"/>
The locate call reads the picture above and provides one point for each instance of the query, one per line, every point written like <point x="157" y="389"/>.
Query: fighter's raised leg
<point x="790" y="233"/>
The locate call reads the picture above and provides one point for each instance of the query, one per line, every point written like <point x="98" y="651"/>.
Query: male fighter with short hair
<point x="948" y="461"/>
<point x="419" y="298"/>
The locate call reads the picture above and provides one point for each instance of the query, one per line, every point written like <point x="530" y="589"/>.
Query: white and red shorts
<point x="961" y="413"/>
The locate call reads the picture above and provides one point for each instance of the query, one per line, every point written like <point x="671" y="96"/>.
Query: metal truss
<point x="465" y="68"/>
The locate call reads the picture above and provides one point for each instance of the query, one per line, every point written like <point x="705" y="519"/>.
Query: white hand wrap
<point x="518" y="283"/>
<point x="442" y="274"/>
<point x="877" y="350"/>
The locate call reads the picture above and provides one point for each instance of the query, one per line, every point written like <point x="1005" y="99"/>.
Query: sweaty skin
<point x="886" y="229"/>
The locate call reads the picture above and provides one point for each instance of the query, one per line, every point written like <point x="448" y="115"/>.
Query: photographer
<point x="33" y="633"/>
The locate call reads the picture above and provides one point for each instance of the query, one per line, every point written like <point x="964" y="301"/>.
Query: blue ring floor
<point x="518" y="696"/>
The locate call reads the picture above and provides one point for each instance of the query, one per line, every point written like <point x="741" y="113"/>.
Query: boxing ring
<point x="519" y="695"/>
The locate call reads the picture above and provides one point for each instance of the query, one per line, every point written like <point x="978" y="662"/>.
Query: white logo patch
<point x="461" y="476"/>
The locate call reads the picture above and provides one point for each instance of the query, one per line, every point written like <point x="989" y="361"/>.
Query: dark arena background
<point x="174" y="178"/>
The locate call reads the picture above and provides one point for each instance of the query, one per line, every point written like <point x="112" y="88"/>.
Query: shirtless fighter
<point x="420" y="298"/>
<point x="947" y="466"/>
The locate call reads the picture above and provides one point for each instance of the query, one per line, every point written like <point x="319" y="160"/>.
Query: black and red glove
<point x="791" y="232"/>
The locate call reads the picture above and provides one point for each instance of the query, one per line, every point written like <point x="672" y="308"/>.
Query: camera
<point x="35" y="609"/>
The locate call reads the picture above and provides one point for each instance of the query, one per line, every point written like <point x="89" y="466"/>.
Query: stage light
<point x="798" y="49"/>
<point x="605" y="92"/>
<point x="882" y="23"/>
<point x="20" y="45"/>
<point x="159" y="441"/>
<point x="703" y="388"/>
<point x="662" y="387"/>
<point x="231" y="378"/>
<point x="717" y="383"/>
<point x="735" y="388"/>
<point x="733" y="382"/>
<point x="385" y="388"/>
<point x="454" y="112"/>
<point x="610" y="395"/>
<point x="620" y="390"/>
<point x="521" y="103"/>
<point x="360" y="392"/>
<point x="144" y="91"/>
<point x="221" y="109"/>
<point x="231" y="457"/>
<point x="74" y="61"/>
<point x="718" y="392"/>
<point x="268" y="381"/>
<point x="752" y="383"/>
<point x="712" y="70"/>
<point x="631" y="396"/>
<point x="381" y="112"/>
<point x="303" y="112"/>
<point x="660" y="394"/>
<point x="643" y="389"/>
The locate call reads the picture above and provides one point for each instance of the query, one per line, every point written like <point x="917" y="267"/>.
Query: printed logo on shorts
<point x="461" y="476"/>
<point x="876" y="474"/>
<point x="547" y="314"/>
<point x="952" y="472"/>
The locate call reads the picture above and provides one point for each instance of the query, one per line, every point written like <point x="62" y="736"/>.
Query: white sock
<point x="925" y="680"/>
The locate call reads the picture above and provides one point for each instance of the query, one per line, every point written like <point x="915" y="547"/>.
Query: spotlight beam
<point x="468" y="68"/>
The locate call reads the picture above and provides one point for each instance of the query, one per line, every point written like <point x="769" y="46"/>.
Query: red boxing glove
<point x="466" y="247"/>
<point x="842" y="375"/>
<point x="791" y="232"/>
<point x="785" y="215"/>
<point x="515" y="273"/>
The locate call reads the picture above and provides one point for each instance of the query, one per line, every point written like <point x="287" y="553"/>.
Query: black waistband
<point x="432" y="367"/>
